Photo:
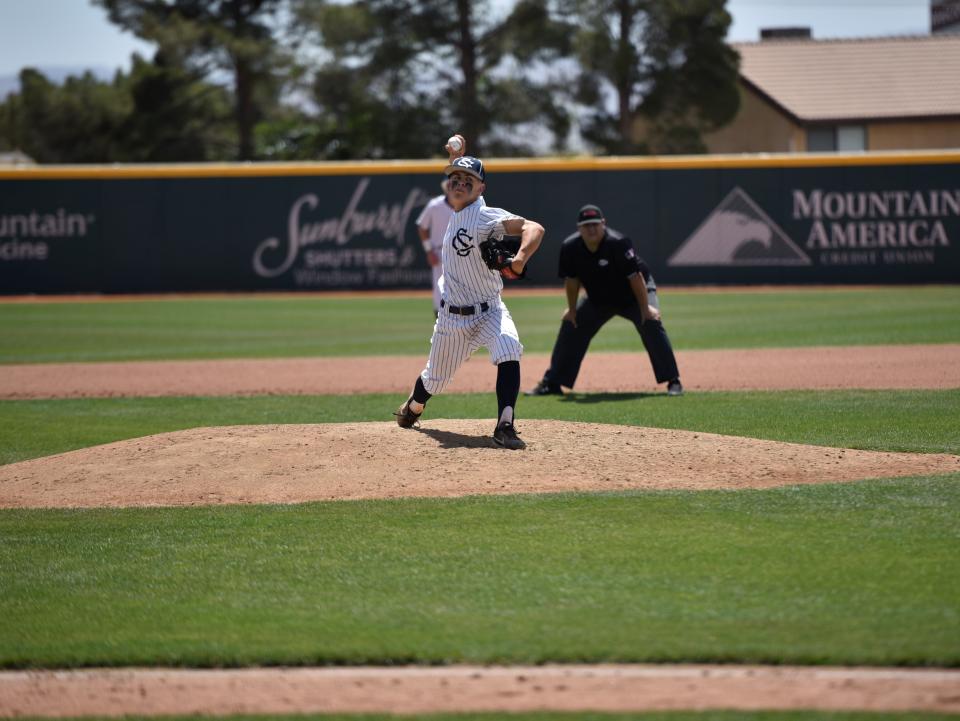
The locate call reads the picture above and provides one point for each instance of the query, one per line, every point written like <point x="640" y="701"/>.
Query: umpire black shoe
<point x="407" y="418"/>
<point x="544" y="388"/>
<point x="674" y="388"/>
<point x="506" y="436"/>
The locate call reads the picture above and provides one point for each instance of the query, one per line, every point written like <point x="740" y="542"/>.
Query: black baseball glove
<point x="498" y="254"/>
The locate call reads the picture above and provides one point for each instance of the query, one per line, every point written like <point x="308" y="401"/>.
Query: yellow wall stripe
<point x="499" y="165"/>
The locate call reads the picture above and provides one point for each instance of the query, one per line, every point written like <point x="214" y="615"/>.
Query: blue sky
<point x="75" y="34"/>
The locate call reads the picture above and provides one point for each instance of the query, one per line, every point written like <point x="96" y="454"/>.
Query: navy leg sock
<point x="508" y="385"/>
<point x="420" y="394"/>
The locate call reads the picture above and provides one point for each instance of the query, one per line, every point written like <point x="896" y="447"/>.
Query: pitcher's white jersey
<point x="466" y="278"/>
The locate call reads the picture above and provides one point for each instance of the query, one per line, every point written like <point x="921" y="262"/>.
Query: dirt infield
<point x="473" y="689"/>
<point x="890" y="366"/>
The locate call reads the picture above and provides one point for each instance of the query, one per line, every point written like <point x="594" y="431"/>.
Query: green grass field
<point x="862" y="573"/>
<point x="296" y="326"/>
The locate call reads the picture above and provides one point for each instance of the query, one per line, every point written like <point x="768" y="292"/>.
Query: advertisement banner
<point x="709" y="222"/>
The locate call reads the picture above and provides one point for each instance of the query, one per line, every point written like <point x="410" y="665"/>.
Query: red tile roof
<point x="868" y="78"/>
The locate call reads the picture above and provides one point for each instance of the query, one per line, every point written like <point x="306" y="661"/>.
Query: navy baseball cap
<point x="590" y="214"/>
<point x="467" y="164"/>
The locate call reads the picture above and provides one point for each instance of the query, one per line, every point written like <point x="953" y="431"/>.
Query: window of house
<point x="851" y="138"/>
<point x="845" y="138"/>
<point x="821" y="140"/>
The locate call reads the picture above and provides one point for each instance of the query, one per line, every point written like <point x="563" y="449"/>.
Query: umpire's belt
<point x="465" y="309"/>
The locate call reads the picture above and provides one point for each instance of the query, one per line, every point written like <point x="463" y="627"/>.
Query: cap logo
<point x="468" y="164"/>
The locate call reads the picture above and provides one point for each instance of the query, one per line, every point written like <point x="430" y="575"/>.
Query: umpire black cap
<point x="590" y="214"/>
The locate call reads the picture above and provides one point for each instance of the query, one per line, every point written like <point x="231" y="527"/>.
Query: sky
<point x="76" y="34"/>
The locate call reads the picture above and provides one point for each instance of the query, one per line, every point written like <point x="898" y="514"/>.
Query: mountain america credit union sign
<point x="356" y="247"/>
<point x="890" y="227"/>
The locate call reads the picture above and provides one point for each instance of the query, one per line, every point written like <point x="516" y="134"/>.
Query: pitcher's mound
<point x="296" y="463"/>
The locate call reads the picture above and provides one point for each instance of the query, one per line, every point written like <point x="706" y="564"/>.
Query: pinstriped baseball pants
<point x="457" y="337"/>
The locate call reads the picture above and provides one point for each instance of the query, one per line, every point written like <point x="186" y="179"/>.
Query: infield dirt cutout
<point x="296" y="463"/>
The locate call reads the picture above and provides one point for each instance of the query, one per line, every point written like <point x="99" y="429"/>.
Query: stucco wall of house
<point x="758" y="127"/>
<point x="913" y="135"/>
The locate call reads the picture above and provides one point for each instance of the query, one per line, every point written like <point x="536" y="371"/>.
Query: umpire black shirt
<point x="603" y="274"/>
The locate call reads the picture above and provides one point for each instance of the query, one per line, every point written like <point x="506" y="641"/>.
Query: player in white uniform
<point x="431" y="225"/>
<point x="472" y="315"/>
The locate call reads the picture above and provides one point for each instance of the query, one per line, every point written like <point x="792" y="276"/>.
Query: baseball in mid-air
<point x="454" y="143"/>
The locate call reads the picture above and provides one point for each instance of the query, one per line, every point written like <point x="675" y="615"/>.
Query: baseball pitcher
<point x="475" y="258"/>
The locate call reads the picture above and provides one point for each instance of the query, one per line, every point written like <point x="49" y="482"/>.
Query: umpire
<point x="617" y="282"/>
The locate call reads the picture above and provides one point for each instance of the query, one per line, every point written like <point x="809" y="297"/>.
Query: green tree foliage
<point x="176" y="116"/>
<point x="78" y="122"/>
<point x="655" y="74"/>
<point x="398" y="76"/>
<point x="644" y="75"/>
<point x="235" y="37"/>
<point x="389" y="79"/>
<point x="156" y="113"/>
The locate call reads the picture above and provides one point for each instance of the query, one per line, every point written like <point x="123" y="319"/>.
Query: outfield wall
<point x="797" y="219"/>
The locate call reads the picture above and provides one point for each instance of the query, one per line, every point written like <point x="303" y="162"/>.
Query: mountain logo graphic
<point x="738" y="233"/>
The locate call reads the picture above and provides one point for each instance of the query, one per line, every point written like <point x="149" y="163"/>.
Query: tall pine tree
<point x="214" y="36"/>
<point x="654" y="74"/>
<point x="400" y="75"/>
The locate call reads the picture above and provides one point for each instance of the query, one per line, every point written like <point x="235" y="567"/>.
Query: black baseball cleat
<point x="407" y="418"/>
<point x="544" y="388"/>
<point x="506" y="436"/>
<point x="674" y="388"/>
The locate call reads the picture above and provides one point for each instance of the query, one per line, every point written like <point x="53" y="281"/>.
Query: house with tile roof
<point x="848" y="95"/>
